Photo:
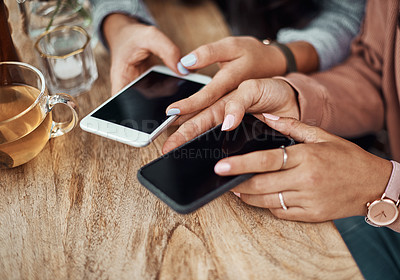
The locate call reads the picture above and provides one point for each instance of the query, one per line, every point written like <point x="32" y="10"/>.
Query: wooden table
<point x="77" y="210"/>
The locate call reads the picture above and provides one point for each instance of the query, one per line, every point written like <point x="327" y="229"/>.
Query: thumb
<point x="164" y="49"/>
<point x="234" y="112"/>
<point x="221" y="84"/>
<point x="121" y="75"/>
<point x="296" y="129"/>
<point x="239" y="101"/>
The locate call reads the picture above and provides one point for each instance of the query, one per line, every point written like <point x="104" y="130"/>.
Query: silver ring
<point x="285" y="156"/>
<point x="282" y="202"/>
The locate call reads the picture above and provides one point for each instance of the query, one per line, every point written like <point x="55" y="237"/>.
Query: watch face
<point x="382" y="212"/>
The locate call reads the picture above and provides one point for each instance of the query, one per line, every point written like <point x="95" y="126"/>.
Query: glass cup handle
<point x="61" y="128"/>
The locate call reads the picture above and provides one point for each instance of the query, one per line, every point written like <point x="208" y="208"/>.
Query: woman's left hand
<point x="325" y="177"/>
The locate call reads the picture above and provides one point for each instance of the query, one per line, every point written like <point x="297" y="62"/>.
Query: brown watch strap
<point x="290" y="60"/>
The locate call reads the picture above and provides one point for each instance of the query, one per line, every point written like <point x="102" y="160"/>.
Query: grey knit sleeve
<point x="331" y="32"/>
<point x="133" y="8"/>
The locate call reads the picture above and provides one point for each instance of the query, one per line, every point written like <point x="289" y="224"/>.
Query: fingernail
<point x="228" y="122"/>
<point x="222" y="167"/>
<point x="237" y="194"/>
<point x="270" y="117"/>
<point x="173" y="112"/>
<point x="189" y="60"/>
<point x="182" y="69"/>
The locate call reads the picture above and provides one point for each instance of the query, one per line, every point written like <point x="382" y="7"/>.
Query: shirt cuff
<point x="311" y="95"/>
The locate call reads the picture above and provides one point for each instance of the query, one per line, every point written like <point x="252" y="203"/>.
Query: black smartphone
<point x="185" y="179"/>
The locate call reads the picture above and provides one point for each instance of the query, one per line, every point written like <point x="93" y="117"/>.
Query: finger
<point x="297" y="130"/>
<point x="186" y="132"/>
<point x="247" y="94"/>
<point x="222" y="83"/>
<point x="121" y="74"/>
<point x="291" y="214"/>
<point x="197" y="125"/>
<point x="234" y="112"/>
<point x="271" y="182"/>
<point x="182" y="119"/>
<point x="117" y="84"/>
<point x="271" y="200"/>
<point x="259" y="161"/>
<point x="165" y="48"/>
<point x="220" y="51"/>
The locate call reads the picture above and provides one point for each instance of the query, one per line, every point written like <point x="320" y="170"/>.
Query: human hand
<point x="325" y="178"/>
<point x="131" y="44"/>
<point x="240" y="58"/>
<point x="252" y="96"/>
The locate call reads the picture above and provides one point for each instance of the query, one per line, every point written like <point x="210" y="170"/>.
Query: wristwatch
<point x="289" y="56"/>
<point x="385" y="211"/>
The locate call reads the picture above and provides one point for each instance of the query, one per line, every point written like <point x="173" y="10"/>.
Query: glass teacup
<point x="26" y="122"/>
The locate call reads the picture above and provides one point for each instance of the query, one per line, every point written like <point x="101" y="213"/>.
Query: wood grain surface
<point x="77" y="211"/>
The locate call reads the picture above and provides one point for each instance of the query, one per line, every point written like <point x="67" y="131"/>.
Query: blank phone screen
<point x="142" y="106"/>
<point x="187" y="173"/>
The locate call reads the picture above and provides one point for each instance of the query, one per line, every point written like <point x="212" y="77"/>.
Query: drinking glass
<point x="67" y="59"/>
<point x="26" y="122"/>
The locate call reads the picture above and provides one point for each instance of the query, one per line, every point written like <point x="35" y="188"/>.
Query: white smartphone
<point x="136" y="115"/>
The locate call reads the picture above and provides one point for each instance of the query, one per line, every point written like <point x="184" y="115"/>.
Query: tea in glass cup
<point x="26" y="122"/>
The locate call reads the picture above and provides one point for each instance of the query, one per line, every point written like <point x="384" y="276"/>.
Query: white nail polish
<point x="173" y="112"/>
<point x="189" y="60"/>
<point x="222" y="167"/>
<point x="228" y="122"/>
<point x="270" y="117"/>
<point x="237" y="194"/>
<point x="182" y="69"/>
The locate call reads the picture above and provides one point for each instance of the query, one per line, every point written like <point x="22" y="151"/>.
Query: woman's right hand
<point x="131" y="44"/>
<point x="273" y="96"/>
<point x="240" y="59"/>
